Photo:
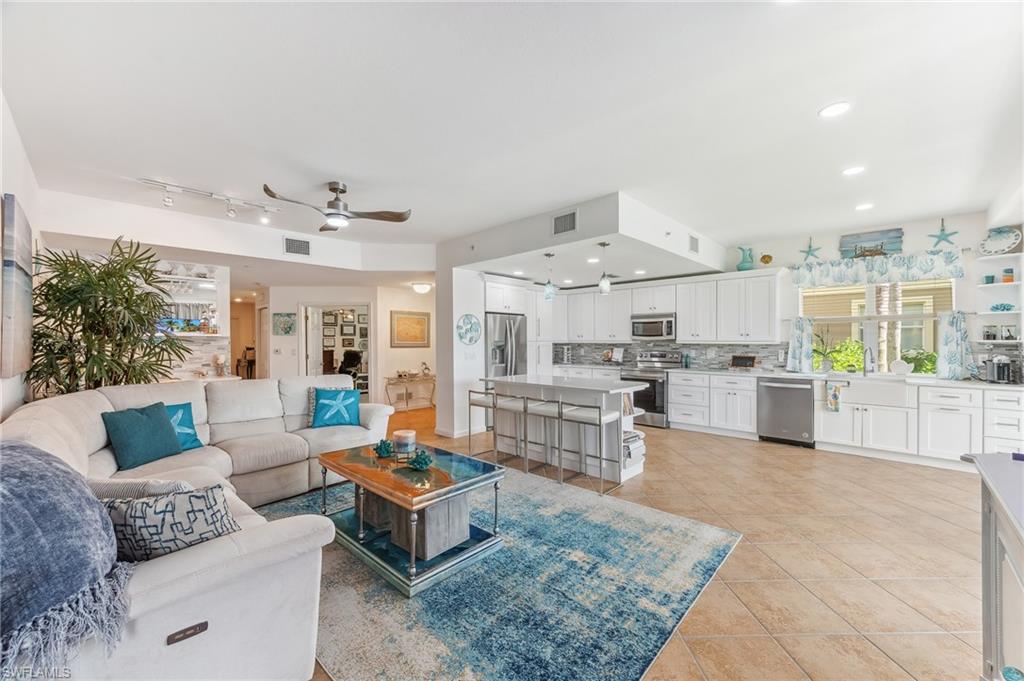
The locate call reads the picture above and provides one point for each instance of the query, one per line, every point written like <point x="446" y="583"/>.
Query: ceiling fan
<point x="337" y="214"/>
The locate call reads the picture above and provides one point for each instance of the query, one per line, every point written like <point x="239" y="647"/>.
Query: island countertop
<point x="1005" y="478"/>
<point x="597" y="385"/>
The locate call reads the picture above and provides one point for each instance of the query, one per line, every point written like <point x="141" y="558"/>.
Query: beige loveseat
<point x="256" y="590"/>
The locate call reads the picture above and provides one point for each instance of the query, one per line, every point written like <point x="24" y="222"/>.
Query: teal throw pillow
<point x="335" y="408"/>
<point x="139" y="436"/>
<point x="184" y="426"/>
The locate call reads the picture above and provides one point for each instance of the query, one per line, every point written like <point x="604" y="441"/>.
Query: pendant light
<point x="549" y="288"/>
<point x="604" y="284"/>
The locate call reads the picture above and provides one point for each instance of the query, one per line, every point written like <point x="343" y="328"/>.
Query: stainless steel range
<point x="652" y="368"/>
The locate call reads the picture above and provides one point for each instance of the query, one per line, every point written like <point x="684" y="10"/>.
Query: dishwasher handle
<point x="794" y="386"/>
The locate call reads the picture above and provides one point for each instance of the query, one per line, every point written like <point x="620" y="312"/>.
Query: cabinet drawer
<point x="560" y="371"/>
<point x="1004" y="423"/>
<point x="605" y="373"/>
<point x="998" y="445"/>
<point x="956" y="397"/>
<point x="697" y="416"/>
<point x="686" y="394"/>
<point x="734" y="382"/>
<point x="576" y="372"/>
<point x="679" y="378"/>
<point x="1004" y="399"/>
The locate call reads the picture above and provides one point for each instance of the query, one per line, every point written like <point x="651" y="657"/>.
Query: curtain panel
<point x="881" y="269"/>
<point x="801" y="345"/>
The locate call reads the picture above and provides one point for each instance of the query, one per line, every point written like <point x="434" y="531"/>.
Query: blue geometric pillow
<point x="184" y="426"/>
<point x="333" y="407"/>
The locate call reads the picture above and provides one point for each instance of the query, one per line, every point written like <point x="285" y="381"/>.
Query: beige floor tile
<point x="971" y="638"/>
<point x="941" y="561"/>
<point x="842" y="658"/>
<point x="747" y="562"/>
<point x="817" y="528"/>
<point x="674" y="663"/>
<point x="759" y="529"/>
<point x="876" y="561"/>
<point x="789" y="608"/>
<point x="968" y="584"/>
<point x="931" y="657"/>
<point x="869" y="607"/>
<point x="718" y="612"/>
<point x="744" y="659"/>
<point x="678" y="504"/>
<point x="947" y="605"/>
<point x="808" y="561"/>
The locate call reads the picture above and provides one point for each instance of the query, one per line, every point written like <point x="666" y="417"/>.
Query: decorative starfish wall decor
<point x="943" y="235"/>
<point x="811" y="251"/>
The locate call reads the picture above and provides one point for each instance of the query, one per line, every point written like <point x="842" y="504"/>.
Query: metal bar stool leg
<point x="560" y="424"/>
<point x="600" y="447"/>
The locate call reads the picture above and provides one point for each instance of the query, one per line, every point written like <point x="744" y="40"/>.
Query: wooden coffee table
<point x="400" y="513"/>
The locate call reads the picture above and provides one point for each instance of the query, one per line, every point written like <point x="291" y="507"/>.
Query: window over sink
<point x="894" y="320"/>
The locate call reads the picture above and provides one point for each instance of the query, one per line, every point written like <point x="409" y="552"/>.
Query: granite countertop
<point x="1005" y="478"/>
<point x="593" y="365"/>
<point x="600" y="385"/>
<point x="911" y="379"/>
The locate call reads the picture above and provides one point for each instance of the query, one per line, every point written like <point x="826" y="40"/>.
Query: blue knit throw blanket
<point x="60" y="582"/>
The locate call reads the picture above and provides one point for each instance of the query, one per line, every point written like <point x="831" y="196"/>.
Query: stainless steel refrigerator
<point x="506" y="347"/>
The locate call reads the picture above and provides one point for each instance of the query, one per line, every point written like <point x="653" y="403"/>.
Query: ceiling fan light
<point x="422" y="287"/>
<point x="336" y="220"/>
<point x="265" y="218"/>
<point x="604" y="284"/>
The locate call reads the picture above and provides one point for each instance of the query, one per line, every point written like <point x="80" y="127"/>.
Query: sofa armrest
<point x="162" y="581"/>
<point x="374" y="417"/>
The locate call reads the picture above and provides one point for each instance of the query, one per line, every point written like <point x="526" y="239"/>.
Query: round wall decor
<point x="468" y="329"/>
<point x="1001" y="240"/>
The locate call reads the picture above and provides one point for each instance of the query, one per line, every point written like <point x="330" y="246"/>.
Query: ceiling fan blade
<point x="328" y="228"/>
<point x="274" y="195"/>
<point x="385" y="215"/>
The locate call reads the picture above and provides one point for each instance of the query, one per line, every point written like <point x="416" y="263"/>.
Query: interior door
<point x="314" y="341"/>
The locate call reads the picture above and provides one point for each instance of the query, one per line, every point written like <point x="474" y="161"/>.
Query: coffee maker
<point x="1001" y="369"/>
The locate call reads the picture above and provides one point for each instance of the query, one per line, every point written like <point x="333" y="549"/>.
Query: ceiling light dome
<point x="422" y="287"/>
<point x="853" y="170"/>
<point x="336" y="220"/>
<point x="864" y="206"/>
<point x="835" y="109"/>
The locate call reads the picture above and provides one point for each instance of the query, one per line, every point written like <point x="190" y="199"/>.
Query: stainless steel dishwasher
<point x="785" y="410"/>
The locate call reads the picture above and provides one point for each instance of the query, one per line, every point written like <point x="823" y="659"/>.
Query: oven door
<point x="651" y="399"/>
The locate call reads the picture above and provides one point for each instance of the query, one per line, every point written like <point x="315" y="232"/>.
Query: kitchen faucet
<point x="868" y="352"/>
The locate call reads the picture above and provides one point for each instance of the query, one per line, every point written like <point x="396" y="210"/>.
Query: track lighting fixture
<point x="168" y="199"/>
<point x="233" y="204"/>
<point x="231" y="212"/>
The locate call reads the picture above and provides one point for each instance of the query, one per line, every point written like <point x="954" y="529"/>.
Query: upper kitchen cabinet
<point x="551" y="319"/>
<point x="654" y="300"/>
<point x="611" y="317"/>
<point x="505" y="298"/>
<point x="696" y="312"/>
<point x="746" y="310"/>
<point x="581" y="317"/>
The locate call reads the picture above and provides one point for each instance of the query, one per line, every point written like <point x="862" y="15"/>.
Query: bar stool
<point x="546" y="410"/>
<point x="484" y="399"/>
<point x="585" y="415"/>
<point x="518" y="407"/>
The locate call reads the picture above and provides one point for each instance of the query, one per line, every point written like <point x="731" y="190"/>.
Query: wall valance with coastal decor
<point x="881" y="269"/>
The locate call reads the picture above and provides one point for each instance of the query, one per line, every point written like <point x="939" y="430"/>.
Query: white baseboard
<point x="713" y="431"/>
<point x="917" y="459"/>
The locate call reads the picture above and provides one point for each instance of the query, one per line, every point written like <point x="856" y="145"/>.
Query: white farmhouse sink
<point x="883" y="390"/>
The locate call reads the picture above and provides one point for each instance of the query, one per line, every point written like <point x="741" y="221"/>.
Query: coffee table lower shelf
<point x="392" y="562"/>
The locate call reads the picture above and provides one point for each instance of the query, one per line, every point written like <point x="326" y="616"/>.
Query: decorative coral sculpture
<point x="384" y="449"/>
<point x="421" y="461"/>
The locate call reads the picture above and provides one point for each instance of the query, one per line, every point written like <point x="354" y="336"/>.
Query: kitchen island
<point x="606" y="393"/>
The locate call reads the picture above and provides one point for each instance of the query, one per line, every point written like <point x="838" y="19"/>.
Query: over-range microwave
<point x="653" y="327"/>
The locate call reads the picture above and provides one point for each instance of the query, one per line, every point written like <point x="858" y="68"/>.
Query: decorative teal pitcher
<point x="746" y="260"/>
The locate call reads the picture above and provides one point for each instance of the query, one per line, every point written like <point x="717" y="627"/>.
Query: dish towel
<point x="832" y="394"/>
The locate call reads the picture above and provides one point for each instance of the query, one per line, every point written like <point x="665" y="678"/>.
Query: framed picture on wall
<point x="410" y="329"/>
<point x="283" y="323"/>
<point x="328" y="342"/>
<point x="364" y="319"/>
<point x="330" y="331"/>
<point x="348" y="342"/>
<point x="364" y="332"/>
<point x="363" y="345"/>
<point x="348" y="329"/>
<point x="330" y="319"/>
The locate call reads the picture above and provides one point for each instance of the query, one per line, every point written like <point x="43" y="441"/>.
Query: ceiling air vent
<point x="296" y="246"/>
<point x="694" y="244"/>
<point x="564" y="224"/>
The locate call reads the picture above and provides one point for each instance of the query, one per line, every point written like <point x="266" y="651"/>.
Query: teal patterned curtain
<point x="882" y="269"/>
<point x="801" y="345"/>
<point x="954" y="355"/>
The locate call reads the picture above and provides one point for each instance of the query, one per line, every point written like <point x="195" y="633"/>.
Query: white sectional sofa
<point x="257" y="590"/>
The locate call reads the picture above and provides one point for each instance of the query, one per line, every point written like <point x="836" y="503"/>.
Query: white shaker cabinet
<point x="891" y="429"/>
<point x="611" y="317"/>
<point x="745" y="310"/>
<point x="654" y="300"/>
<point x="947" y="432"/>
<point x="696" y="311"/>
<point x="734" y="409"/>
<point x="539" y="357"/>
<point x="581" y="317"/>
<point x="839" y="427"/>
<point x="505" y="298"/>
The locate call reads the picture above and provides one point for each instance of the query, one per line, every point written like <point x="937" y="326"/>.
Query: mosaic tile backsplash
<point x="590" y="353"/>
<point x="201" y="359"/>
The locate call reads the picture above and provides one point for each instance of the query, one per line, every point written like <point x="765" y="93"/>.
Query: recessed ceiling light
<point x="864" y="206"/>
<point x="640" y="272"/>
<point x="567" y="281"/>
<point x="238" y="300"/>
<point x="265" y="218"/>
<point x="518" y="273"/>
<point x="593" y="260"/>
<point x="854" y="170"/>
<point x="835" y="109"/>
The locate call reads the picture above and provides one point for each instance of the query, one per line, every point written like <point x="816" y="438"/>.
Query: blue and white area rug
<point x="585" y="588"/>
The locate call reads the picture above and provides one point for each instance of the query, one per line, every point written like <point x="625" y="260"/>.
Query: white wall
<point x="393" y="359"/>
<point x="459" y="292"/>
<point x="18" y="178"/>
<point x="642" y="222"/>
<point x="1008" y="206"/>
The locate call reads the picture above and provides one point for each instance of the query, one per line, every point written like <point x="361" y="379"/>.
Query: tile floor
<point x="850" y="569"/>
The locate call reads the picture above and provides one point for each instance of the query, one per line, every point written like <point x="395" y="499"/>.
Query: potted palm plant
<point x="96" y="321"/>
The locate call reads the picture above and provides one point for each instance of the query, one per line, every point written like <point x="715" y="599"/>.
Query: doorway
<point x="337" y="340"/>
<point x="262" y="340"/>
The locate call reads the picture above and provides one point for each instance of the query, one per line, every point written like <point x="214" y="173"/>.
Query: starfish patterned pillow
<point x="334" y="407"/>
<point x="184" y="426"/>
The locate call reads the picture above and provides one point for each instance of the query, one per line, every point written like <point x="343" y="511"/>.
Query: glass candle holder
<point x="405" y="440"/>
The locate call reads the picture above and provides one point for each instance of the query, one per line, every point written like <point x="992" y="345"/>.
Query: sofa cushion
<point x="229" y="431"/>
<point x="184" y="426"/>
<point x="233" y="401"/>
<point x="136" y="488"/>
<point x="242" y="512"/>
<point x="294" y="393"/>
<point x="333" y="407"/>
<point x="260" y="452"/>
<point x="197" y="476"/>
<point x="102" y="464"/>
<point x="331" y="438"/>
<point x="171" y="392"/>
<point x="139" y="436"/>
<point x="211" y="457"/>
<point x="68" y="426"/>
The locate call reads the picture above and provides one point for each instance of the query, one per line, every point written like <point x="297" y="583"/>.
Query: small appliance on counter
<point x="743" y="363"/>
<point x="1001" y="369"/>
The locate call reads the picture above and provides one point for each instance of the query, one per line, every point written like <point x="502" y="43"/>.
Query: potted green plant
<point x="96" y="321"/>
<point x="824" y="350"/>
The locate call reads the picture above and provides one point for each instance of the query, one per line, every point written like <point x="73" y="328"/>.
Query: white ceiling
<point x="250" y="274"/>
<point x="477" y="114"/>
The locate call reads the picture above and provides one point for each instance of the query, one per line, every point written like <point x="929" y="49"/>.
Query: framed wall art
<point x="16" y="325"/>
<point x="348" y="342"/>
<point x="330" y="319"/>
<point x="330" y="331"/>
<point x="348" y="329"/>
<point x="410" y="329"/>
<point x="283" y="323"/>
